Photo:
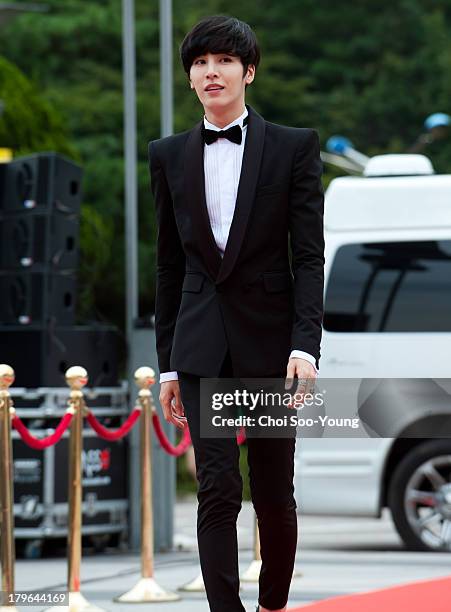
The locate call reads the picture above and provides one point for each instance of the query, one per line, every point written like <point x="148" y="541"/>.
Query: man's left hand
<point x="306" y="374"/>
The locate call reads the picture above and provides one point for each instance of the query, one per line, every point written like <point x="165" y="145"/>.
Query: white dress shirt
<point x="222" y="169"/>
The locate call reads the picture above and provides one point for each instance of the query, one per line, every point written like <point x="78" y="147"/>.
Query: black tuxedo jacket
<point x="265" y="296"/>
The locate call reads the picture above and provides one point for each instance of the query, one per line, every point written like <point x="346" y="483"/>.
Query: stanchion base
<point x="195" y="586"/>
<point x="146" y="590"/>
<point x="252" y="573"/>
<point x="77" y="603"/>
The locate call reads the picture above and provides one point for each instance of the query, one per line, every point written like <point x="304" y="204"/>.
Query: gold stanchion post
<point x="146" y="589"/>
<point x="253" y="571"/>
<point x="76" y="378"/>
<point x="7" y="550"/>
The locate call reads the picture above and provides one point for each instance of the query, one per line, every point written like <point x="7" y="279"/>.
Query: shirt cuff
<point x="167" y="376"/>
<point x="306" y="356"/>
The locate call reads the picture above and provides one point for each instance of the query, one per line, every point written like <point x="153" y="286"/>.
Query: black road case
<point x="41" y="477"/>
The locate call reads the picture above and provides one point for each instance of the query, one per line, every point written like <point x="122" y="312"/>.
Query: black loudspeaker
<point x="3" y="168"/>
<point x="37" y="297"/>
<point x="32" y="238"/>
<point x="39" y="239"/>
<point x="43" y="181"/>
<point x="40" y="356"/>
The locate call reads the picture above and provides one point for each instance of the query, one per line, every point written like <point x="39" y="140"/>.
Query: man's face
<point x="219" y="81"/>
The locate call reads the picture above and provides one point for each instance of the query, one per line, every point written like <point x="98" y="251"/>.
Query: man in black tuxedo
<point x="240" y="260"/>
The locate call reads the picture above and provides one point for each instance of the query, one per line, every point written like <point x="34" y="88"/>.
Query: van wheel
<point x="419" y="497"/>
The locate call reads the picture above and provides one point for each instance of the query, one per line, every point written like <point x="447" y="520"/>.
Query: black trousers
<point x="271" y="473"/>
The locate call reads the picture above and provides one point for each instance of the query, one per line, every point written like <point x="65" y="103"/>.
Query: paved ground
<point x="335" y="555"/>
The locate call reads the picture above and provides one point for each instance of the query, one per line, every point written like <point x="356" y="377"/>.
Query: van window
<point x="390" y="287"/>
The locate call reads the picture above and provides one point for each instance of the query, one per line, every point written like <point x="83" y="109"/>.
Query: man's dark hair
<point x="220" y="34"/>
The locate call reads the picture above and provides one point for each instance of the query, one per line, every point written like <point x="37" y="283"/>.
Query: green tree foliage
<point x="28" y="122"/>
<point x="371" y="70"/>
<point x="96" y="237"/>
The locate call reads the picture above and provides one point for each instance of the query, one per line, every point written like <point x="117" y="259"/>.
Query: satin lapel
<point x="250" y="168"/>
<point x="194" y="192"/>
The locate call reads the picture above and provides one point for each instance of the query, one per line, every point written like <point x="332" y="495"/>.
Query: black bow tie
<point x="234" y="134"/>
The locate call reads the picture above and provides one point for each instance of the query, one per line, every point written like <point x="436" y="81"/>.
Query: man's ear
<point x="250" y="74"/>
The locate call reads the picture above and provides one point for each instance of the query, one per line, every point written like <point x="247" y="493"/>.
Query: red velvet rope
<point x="114" y="434"/>
<point x="40" y="444"/>
<point x="241" y="436"/>
<point x="178" y="450"/>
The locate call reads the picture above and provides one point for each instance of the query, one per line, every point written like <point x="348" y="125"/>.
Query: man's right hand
<point x="171" y="402"/>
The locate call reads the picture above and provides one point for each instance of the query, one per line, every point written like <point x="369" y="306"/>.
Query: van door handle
<point x="335" y="361"/>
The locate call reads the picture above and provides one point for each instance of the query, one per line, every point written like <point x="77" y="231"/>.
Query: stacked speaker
<point x="40" y="198"/>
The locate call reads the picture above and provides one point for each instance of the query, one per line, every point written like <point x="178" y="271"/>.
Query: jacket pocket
<point x="277" y="282"/>
<point x="272" y="189"/>
<point x="193" y="283"/>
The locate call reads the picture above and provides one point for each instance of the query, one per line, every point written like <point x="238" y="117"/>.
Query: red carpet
<point x="424" y="596"/>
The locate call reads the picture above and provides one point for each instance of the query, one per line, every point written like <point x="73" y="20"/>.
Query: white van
<point x="387" y="315"/>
